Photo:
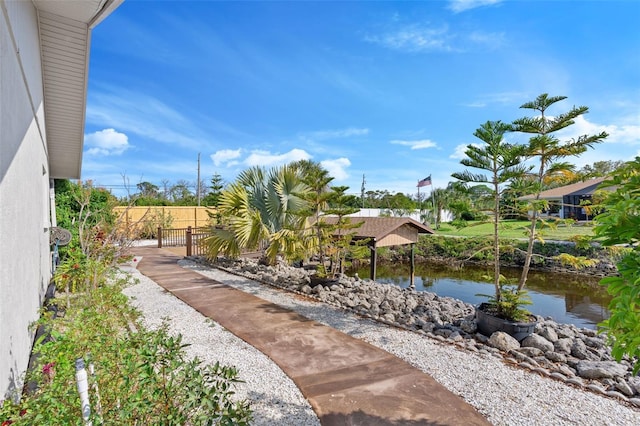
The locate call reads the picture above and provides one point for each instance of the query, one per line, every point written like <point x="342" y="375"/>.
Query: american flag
<point x="424" y="182"/>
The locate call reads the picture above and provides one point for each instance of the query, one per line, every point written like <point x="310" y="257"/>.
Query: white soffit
<point x="65" y="27"/>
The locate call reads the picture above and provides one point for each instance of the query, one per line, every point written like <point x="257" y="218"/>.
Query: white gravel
<point x="503" y="394"/>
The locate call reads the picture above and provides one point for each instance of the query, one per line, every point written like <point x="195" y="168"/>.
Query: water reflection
<point x="566" y="298"/>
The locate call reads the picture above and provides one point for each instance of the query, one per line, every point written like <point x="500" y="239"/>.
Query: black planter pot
<point x="325" y="282"/>
<point x="489" y="324"/>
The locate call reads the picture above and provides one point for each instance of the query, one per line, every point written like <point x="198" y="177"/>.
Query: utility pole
<point x="198" y="184"/>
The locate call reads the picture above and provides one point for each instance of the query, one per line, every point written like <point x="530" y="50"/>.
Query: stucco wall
<point x="24" y="177"/>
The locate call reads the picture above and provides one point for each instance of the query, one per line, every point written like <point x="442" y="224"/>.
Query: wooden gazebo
<point x="385" y="232"/>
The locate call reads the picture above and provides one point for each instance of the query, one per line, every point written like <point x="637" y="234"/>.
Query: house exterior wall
<point x="573" y="209"/>
<point x="25" y="269"/>
<point x="446" y="215"/>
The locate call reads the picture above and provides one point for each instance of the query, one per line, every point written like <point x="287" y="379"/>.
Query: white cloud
<point x="337" y="167"/>
<point x="458" y="6"/>
<point x="504" y="98"/>
<point x="418" y="144"/>
<point x="624" y="134"/>
<point x="491" y="40"/>
<point x="619" y="145"/>
<point x="265" y="158"/>
<point x="336" y="134"/>
<point x="415" y="38"/>
<point x="225" y="156"/>
<point x="106" y="142"/>
<point x="322" y="135"/>
<point x="459" y="151"/>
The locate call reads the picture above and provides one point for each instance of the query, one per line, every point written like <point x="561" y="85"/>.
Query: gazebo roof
<point x="378" y="228"/>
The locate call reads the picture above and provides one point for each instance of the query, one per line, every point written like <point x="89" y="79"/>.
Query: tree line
<point x="464" y="201"/>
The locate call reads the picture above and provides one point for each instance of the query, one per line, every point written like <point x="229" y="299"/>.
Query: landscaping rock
<point x="563" y="345"/>
<point x="556" y="356"/>
<point x="600" y="369"/>
<point x="538" y="342"/>
<point x="579" y="350"/>
<point x="503" y="341"/>
<point x="594" y="342"/>
<point x="530" y="351"/>
<point x="634" y="383"/>
<point x="548" y="333"/>
<point x="624" y="388"/>
<point x="469" y="326"/>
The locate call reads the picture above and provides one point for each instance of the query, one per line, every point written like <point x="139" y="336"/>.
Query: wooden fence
<point x="178" y="216"/>
<point x="183" y="237"/>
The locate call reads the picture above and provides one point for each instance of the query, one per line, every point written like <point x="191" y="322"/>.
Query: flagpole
<point x="419" y="204"/>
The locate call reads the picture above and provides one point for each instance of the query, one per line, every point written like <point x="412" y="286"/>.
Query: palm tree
<point x="455" y="198"/>
<point x="547" y="149"/>
<point x="263" y="210"/>
<point x="503" y="161"/>
<point x="318" y="197"/>
<point x="439" y="199"/>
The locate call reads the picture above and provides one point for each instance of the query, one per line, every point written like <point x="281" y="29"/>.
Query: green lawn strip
<point x="515" y="230"/>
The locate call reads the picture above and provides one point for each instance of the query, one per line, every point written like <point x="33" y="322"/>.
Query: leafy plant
<point x="262" y="210"/>
<point x="509" y="305"/>
<point x="459" y="223"/>
<point x="620" y="224"/>
<point x="154" y="219"/>
<point x="141" y="376"/>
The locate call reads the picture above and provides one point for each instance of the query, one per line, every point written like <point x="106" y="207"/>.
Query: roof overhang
<point x="377" y="228"/>
<point x="65" y="38"/>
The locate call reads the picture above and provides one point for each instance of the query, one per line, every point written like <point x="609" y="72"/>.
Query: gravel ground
<point x="503" y="394"/>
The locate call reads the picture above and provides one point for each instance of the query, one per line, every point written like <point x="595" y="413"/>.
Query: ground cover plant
<point x="141" y="376"/>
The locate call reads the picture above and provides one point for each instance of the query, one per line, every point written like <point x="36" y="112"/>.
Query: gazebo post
<point x="413" y="266"/>
<point x="373" y="260"/>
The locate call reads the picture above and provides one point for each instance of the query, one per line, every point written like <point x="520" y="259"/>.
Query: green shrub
<point x="148" y="226"/>
<point x="459" y="223"/>
<point x="142" y="376"/>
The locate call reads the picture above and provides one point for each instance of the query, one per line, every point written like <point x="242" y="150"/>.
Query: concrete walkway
<point x="346" y="380"/>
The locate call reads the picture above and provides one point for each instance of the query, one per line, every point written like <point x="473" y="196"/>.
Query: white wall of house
<point x="24" y="190"/>
<point x="415" y="215"/>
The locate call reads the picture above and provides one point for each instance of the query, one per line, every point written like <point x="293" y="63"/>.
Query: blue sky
<point x="391" y="90"/>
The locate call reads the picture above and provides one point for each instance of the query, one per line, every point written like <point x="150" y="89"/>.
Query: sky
<point x="390" y="90"/>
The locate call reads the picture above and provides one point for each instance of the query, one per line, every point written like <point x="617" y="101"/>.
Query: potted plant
<point x="506" y="313"/>
<point x="503" y="310"/>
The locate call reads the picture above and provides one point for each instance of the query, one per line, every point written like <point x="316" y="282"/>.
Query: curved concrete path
<point x="346" y="380"/>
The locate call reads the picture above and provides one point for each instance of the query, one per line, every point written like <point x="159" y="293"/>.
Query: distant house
<point x="44" y="54"/>
<point x="445" y="215"/>
<point x="565" y="201"/>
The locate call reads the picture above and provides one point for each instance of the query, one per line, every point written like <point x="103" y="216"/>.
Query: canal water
<point x="568" y="299"/>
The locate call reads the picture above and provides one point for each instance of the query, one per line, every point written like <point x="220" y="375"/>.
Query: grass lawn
<point x="516" y="229"/>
